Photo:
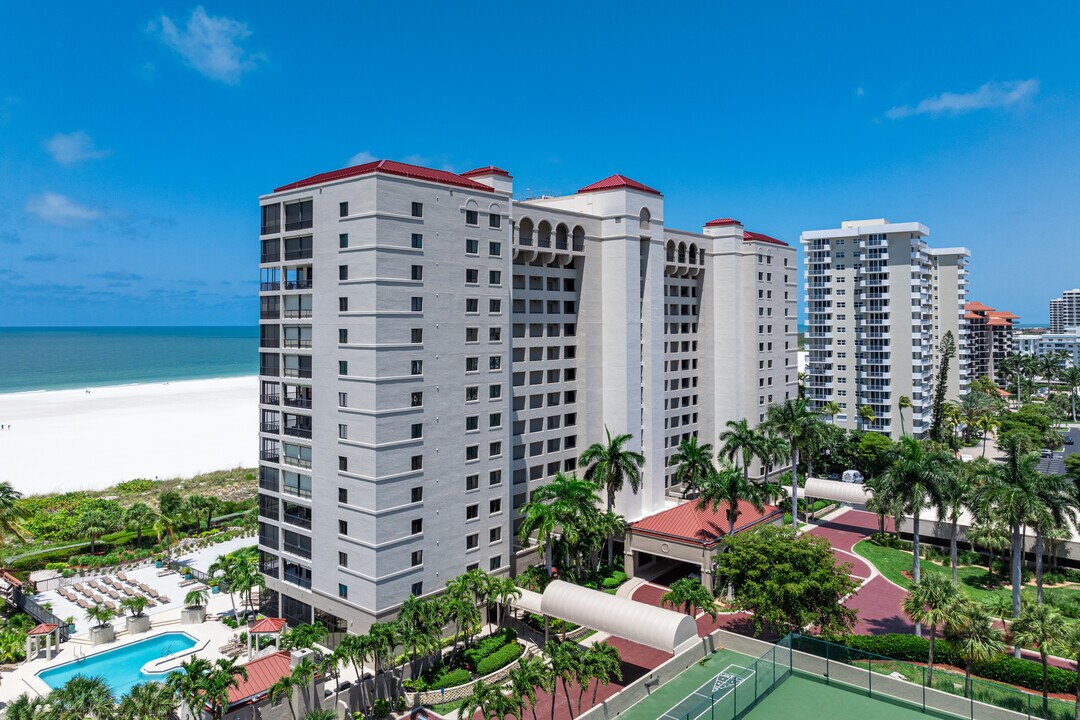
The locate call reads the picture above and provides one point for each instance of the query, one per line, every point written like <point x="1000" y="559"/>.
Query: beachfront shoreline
<point x="91" y="438"/>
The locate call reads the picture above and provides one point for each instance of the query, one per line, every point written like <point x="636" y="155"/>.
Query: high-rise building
<point x="432" y="350"/>
<point x="878" y="300"/>
<point x="990" y="339"/>
<point x="1065" y="311"/>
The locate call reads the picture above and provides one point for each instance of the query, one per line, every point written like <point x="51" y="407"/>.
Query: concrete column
<point x="628" y="562"/>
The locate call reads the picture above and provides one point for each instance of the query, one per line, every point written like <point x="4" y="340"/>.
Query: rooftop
<point x="267" y="626"/>
<point x="390" y="167"/>
<point x="759" y="237"/>
<point x="489" y="170"/>
<point x="701" y="526"/>
<point x="617" y="181"/>
<point x="262" y="673"/>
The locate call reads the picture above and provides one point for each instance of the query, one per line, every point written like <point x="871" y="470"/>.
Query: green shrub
<point x="500" y="659"/>
<point x="382" y="708"/>
<point x="56" y="566"/>
<point x="130" y="487"/>
<point x="616" y="579"/>
<point x="488" y="646"/>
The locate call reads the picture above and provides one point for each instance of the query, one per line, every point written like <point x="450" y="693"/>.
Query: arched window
<point x="682" y="252"/>
<point x="525" y="232"/>
<point x="670" y="251"/>
<point x="561" y="232"/>
<point x="579" y="238"/>
<point x="693" y="254"/>
<point x="543" y="234"/>
<point x="644" y="218"/>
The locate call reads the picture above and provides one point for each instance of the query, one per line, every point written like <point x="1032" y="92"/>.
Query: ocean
<point x="64" y="358"/>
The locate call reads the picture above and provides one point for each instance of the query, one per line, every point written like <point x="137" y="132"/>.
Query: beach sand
<point x="64" y="440"/>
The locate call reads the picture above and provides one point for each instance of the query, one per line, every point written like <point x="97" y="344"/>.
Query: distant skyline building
<point x="433" y="350"/>
<point x="1040" y="344"/>
<point x="1065" y="311"/>
<point x="878" y="300"/>
<point x="989" y="339"/>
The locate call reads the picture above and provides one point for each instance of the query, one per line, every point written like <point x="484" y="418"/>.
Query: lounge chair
<point x="78" y="587"/>
<point x="164" y="600"/>
<point x="153" y="593"/>
<point x="122" y="576"/>
<point x="114" y="595"/>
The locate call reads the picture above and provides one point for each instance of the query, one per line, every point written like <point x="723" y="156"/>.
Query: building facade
<point x="1040" y="344"/>
<point x="878" y="302"/>
<point x="1065" y="311"/>
<point x="989" y="339"/>
<point x="432" y="350"/>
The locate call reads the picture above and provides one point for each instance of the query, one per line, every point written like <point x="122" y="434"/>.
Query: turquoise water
<point x="121" y="668"/>
<point x="59" y="358"/>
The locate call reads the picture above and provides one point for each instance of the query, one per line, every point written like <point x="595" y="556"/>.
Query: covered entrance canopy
<point x="854" y="493"/>
<point x="645" y="624"/>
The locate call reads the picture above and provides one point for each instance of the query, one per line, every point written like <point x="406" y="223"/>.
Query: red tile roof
<point x="43" y="629"/>
<point x="977" y="306"/>
<point x="997" y="322"/>
<point x="701" y="526"/>
<point x="972" y="316"/>
<point x="390" y="167"/>
<point x="618" y="181"/>
<point x="721" y="222"/>
<point x="489" y="170"/>
<point x="758" y="237"/>
<point x="1003" y="314"/>
<point x="267" y="626"/>
<point x="262" y="673"/>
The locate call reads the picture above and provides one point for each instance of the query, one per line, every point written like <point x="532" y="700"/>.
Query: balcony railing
<point x="269" y="314"/>
<point x="297" y="520"/>
<point x="268" y="370"/>
<point x="302" y="344"/>
<point x="269" y="342"/>
<point x="297" y="580"/>
<point x="298" y="402"/>
<point x="270" y="427"/>
<point x="297" y="313"/>
<point x="297" y="550"/>
<point x="270" y="456"/>
<point x="269" y="399"/>
<point x="298" y="462"/>
<point x="296" y="491"/>
<point x="268" y="286"/>
<point x="298" y="254"/>
<point x="270" y="257"/>
<point x="297" y="225"/>
<point x="297" y="284"/>
<point x="298" y="372"/>
<point x="270" y="229"/>
<point x="298" y="432"/>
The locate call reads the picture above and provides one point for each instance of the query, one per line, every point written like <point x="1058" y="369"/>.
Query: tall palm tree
<point x="165" y="528"/>
<point x="960" y="480"/>
<point x="611" y="466"/>
<point x="531" y="673"/>
<point x="741" y="444"/>
<point x="1041" y="626"/>
<point x="542" y="519"/>
<point x="904" y="403"/>
<point x="606" y="665"/>
<point x="991" y="535"/>
<point x="283" y="689"/>
<point x="975" y="637"/>
<point x="985" y="425"/>
<point x="137" y="517"/>
<point x="1068" y="645"/>
<point x="93" y="523"/>
<point x="574" y="507"/>
<point x="12" y="512"/>
<point x="303" y="676"/>
<point x="773" y="449"/>
<point x="225" y="566"/>
<point x="931" y="601"/>
<point x="689" y="594"/>
<point x="866" y="415"/>
<point x="481" y="700"/>
<point x="83" y="698"/>
<point x="147" y="701"/>
<point x="1071" y="377"/>
<point x="1056" y="509"/>
<point x="693" y="461"/>
<point x="562" y="658"/>
<point x="728" y="487"/>
<point x="188" y="684"/>
<point x="795" y="421"/>
<point x="830" y="410"/>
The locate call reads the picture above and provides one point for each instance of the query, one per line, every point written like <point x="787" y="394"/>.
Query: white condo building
<point x="432" y="350"/>
<point x="879" y="301"/>
<point x="1065" y="312"/>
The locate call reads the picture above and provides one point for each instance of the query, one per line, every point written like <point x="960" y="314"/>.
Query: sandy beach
<point x="73" y="440"/>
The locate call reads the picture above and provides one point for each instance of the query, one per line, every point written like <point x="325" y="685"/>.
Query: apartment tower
<point x="990" y="339"/>
<point x="432" y="350"/>
<point x="1065" y="312"/>
<point x="877" y="299"/>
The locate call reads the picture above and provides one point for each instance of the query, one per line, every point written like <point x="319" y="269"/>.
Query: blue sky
<point x="135" y="139"/>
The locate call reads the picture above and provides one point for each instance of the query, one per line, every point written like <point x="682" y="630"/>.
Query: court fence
<point x="905" y="683"/>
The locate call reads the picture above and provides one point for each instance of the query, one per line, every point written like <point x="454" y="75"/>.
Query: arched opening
<point x="644" y="218"/>
<point x="561" y="231"/>
<point x="670" y="251"/>
<point x="682" y="253"/>
<point x="543" y="234"/>
<point x="693" y="254"/>
<point x="525" y="232"/>
<point x="579" y="238"/>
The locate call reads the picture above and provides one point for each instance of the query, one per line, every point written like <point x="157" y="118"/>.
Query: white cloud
<point x="212" y="45"/>
<point x="990" y="95"/>
<point x="362" y="157"/>
<point x="57" y="209"/>
<point x="860" y="91"/>
<point x="73" y="148"/>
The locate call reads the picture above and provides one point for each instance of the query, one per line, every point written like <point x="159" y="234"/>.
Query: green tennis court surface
<point x="728" y="684"/>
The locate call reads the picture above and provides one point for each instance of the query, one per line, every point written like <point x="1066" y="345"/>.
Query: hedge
<point x="1010" y="670"/>
<point x="616" y="579"/>
<point x="500" y="659"/>
<point x="489" y="646"/>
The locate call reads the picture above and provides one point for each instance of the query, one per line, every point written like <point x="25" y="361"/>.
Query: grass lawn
<point x="974" y="580"/>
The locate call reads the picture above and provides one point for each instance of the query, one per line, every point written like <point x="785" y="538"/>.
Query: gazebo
<point x="267" y="626"/>
<point x="48" y="633"/>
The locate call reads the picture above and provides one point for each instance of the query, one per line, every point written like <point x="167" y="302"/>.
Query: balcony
<point x="298" y="343"/>
<point x="270" y="456"/>
<point x="269" y="427"/>
<point x="297" y="372"/>
<point x="297" y="462"/>
<point x="300" y="520"/>
<point x="296" y="491"/>
<point x="268" y="286"/>
<point x="301" y="284"/>
<point x="298" y="580"/>
<point x="298" y="402"/>
<point x="269" y="399"/>
<point x="297" y="313"/>
<point x="299" y="432"/>
<point x="304" y="254"/>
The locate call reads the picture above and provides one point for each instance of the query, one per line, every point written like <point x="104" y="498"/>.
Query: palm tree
<point x="611" y="466"/>
<point x="985" y="425"/>
<point x="189" y="686"/>
<point x="505" y="591"/>
<point x="772" y="449"/>
<point x="542" y="519"/>
<point x="606" y="664"/>
<point x="727" y="486"/>
<point x="83" y="698"/>
<point x="563" y="658"/>
<point x="831" y="409"/>
<point x="146" y="701"/>
<point x="882" y="503"/>
<point x="480" y="700"/>
<point x="303" y="676"/>
<point x="1054" y="512"/>
<point x="226" y="566"/>
<point x="531" y="673"/>
<point x="12" y="511"/>
<point x="26" y="708"/>
<point x="740" y="443"/>
<point x="1039" y="626"/>
<point x="975" y="638"/>
<point x="100" y="614"/>
<point x="1071" y="377"/>
<point x="1068" y="645"/>
<point x="93" y="523"/>
<point x="689" y="594"/>
<point x="931" y="601"/>
<point x="135" y="604"/>
<point x="283" y="689"/>
<point x="794" y="420"/>
<point x="137" y="517"/>
<point x="693" y="462"/>
<point x="321" y="714"/>
<point x="867" y="416"/>
<point x="990" y="535"/>
<point x="902" y="404"/>
<point x="165" y="528"/>
<point x="222" y="676"/>
<point x="195" y="598"/>
<point x="954" y="495"/>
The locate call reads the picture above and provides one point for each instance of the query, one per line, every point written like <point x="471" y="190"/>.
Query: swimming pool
<point x="121" y="667"/>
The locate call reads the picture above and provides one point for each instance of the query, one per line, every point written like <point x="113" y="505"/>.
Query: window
<point x="472" y="364"/>
<point x="343" y="496"/>
<point x="472" y="247"/>
<point x="472" y="393"/>
<point x="418" y="209"/>
<point x="416" y="399"/>
<point x="495" y="449"/>
<point x="495" y="249"/>
<point x="472" y="422"/>
<point x="343" y="240"/>
<point x="494" y="277"/>
<point x="298" y="215"/>
<point x="271" y="219"/>
<point x="472" y="305"/>
<point x="417" y="241"/>
<point x="417" y="494"/>
<point x="417" y="526"/>
<point x="472" y="512"/>
<point x="472" y="334"/>
<point x="342" y="527"/>
<point x="495" y="362"/>
<point x="495" y="477"/>
<point x="417" y="462"/>
<point x="343" y="432"/>
<point x="343" y="209"/>
<point x="494" y="221"/>
<point x="416" y="335"/>
<point x="417" y="367"/>
<point x="494" y="334"/>
<point x="343" y="463"/>
<point x="417" y="304"/>
<point x="342" y="559"/>
<point x="495" y="563"/>
<point x="343" y="304"/>
<point x="343" y="591"/>
<point x="343" y="336"/>
<point x="417" y="431"/>
<point x="495" y="392"/>
<point x="472" y="482"/>
<point x="343" y="399"/>
<point x="472" y="217"/>
<point x="472" y="541"/>
<point x="417" y="557"/>
<point x="342" y="367"/>
<point x="495" y="306"/>
<point x="472" y="276"/>
<point x="495" y="506"/>
<point x="418" y="589"/>
<point x="417" y="272"/>
<point x="472" y="452"/>
<point x="494" y="420"/>
<point x="343" y="274"/>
